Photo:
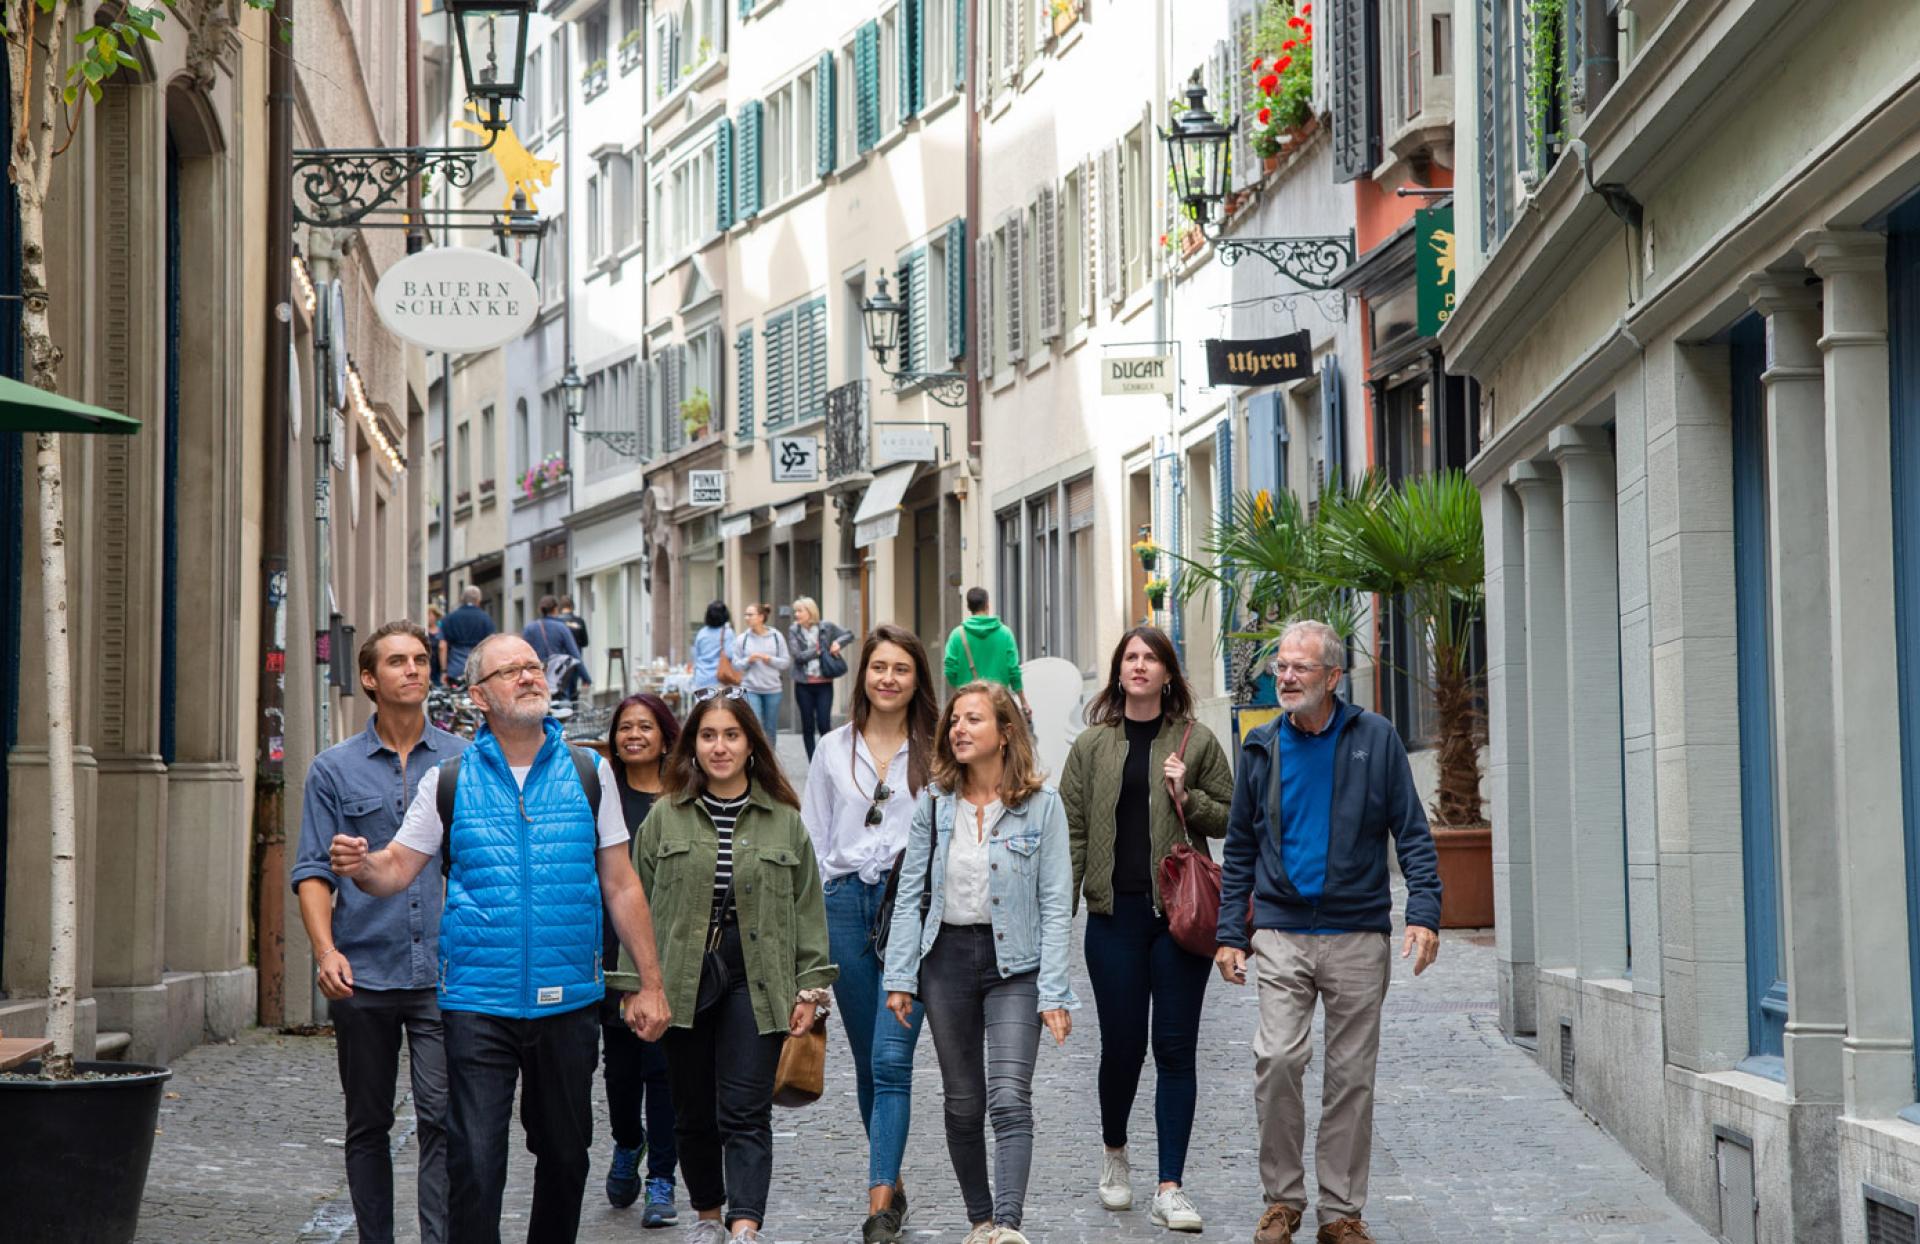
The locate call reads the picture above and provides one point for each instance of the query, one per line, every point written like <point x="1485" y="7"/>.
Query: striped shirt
<point x="725" y="812"/>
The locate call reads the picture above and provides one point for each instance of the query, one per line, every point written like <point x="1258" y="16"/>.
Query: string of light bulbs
<point x="370" y="419"/>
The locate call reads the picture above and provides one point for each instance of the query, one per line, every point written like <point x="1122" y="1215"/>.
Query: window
<point x="1519" y="25"/>
<point x="462" y="462"/>
<point x="998" y="299"/>
<point x="1403" y="59"/>
<point x="684" y="212"/>
<point x="553" y="425"/>
<point x="1080" y="568"/>
<point x="632" y="18"/>
<point x="556" y="79"/>
<point x="666" y="55"/>
<point x="703" y="371"/>
<point x="553" y="263"/>
<point x="610" y="204"/>
<point x="522" y="438"/>
<point x="528" y="123"/>
<point x="1073" y="250"/>
<point x="435" y="458"/>
<point x="1043" y="578"/>
<point x="846" y="87"/>
<point x="594" y="35"/>
<point x="796" y="362"/>
<point x="1007" y="593"/>
<point x="889" y="71"/>
<point x="596" y="218"/>
<point x="1029" y="275"/>
<point x="486" y="447"/>
<point x="788" y="154"/>
<point x="1136" y="229"/>
<point x="612" y="405"/>
<point x="936" y="48"/>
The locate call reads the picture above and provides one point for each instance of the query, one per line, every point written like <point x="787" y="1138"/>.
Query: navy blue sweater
<point x="1373" y="796"/>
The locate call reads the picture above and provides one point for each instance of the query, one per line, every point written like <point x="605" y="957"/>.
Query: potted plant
<point x="1144" y="549"/>
<point x="594" y="79"/>
<point x="631" y="48"/>
<point x="696" y="414"/>
<point x="1282" y="79"/>
<point x="1156" y="589"/>
<point x="1065" y="13"/>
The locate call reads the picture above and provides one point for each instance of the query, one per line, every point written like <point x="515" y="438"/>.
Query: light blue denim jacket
<point x="1030" y="882"/>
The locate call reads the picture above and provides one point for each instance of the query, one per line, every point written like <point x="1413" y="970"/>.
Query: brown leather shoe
<point x="1344" y="1231"/>
<point x="1277" y="1225"/>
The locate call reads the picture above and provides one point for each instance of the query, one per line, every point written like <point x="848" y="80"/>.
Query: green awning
<point x="24" y="408"/>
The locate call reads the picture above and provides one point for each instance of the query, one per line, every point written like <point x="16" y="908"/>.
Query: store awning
<point x="733" y="526"/>
<point x="790" y="514"/>
<point x="878" y="517"/>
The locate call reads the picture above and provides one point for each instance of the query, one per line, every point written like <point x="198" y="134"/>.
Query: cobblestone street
<point x="1473" y="1142"/>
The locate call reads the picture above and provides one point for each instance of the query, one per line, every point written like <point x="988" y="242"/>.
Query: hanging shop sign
<point x="706" y="487"/>
<point x="1268" y="360"/>
<point x="910" y="444"/>
<point x="457" y="299"/>
<point x="795" y="459"/>
<point x="1433" y="267"/>
<point x="1125" y="375"/>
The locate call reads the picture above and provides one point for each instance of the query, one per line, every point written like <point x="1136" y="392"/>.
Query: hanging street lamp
<point x="884" y="317"/>
<point x="492" y="35"/>
<point x="882" y="313"/>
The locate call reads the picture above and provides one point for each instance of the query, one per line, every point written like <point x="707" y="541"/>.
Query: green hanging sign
<point x="1433" y="267"/>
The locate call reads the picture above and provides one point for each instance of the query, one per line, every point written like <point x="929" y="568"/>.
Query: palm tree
<point x="1265" y="560"/>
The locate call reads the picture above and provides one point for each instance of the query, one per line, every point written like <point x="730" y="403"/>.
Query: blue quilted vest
<point x="520" y="937"/>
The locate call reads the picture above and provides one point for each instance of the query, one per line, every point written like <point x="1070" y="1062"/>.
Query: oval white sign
<point x="457" y="299"/>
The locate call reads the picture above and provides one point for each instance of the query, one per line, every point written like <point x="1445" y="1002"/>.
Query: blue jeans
<point x="1148" y="992"/>
<point x="766" y="706"/>
<point x="882" y="1048"/>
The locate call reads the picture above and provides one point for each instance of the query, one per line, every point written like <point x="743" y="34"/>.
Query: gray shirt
<point x="360" y="788"/>
<point x="761" y="676"/>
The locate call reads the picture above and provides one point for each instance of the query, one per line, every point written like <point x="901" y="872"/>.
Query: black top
<point x="634" y="806"/>
<point x="1132" y="843"/>
<point x="574" y="623"/>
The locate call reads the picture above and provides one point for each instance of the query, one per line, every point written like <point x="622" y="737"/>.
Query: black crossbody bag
<point x="713" y="964"/>
<point x="883" y="924"/>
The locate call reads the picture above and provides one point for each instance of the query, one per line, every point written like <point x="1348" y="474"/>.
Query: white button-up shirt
<point x="968" y="901"/>
<point x="840" y="785"/>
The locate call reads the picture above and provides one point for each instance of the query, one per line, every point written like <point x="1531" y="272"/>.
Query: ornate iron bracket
<point x="1312" y="262"/>
<point x="949" y="388"/>
<point x="341" y="186"/>
<point x="624" y="443"/>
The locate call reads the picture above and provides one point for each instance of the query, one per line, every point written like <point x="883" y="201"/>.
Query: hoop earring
<point x="750" y="759"/>
<point x="1166" y="688"/>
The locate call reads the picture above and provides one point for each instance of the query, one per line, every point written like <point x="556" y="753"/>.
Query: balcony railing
<point x="847" y="430"/>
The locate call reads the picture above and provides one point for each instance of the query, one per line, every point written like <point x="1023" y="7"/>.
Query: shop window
<point x="1007" y="593"/>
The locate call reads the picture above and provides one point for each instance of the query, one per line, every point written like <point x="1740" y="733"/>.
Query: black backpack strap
<point x="443" y="797"/>
<point x="586" y="763"/>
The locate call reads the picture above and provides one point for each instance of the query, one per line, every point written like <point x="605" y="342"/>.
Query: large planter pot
<point x="1466" y="877"/>
<point x="74" y="1154"/>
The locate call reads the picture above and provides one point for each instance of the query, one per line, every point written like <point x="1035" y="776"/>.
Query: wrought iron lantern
<point x="882" y="314"/>
<point x="518" y="234"/>
<point x="1198" y="149"/>
<point x="573" y="394"/>
<point x="493" y="51"/>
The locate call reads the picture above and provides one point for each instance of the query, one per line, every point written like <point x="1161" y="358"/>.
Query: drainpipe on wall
<point x="269" y="780"/>
<point x="971" y="311"/>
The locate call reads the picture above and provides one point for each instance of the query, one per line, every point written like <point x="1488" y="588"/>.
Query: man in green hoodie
<point x="983" y="648"/>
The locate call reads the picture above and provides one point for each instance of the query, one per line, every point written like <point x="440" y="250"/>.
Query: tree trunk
<point x="1457" y="798"/>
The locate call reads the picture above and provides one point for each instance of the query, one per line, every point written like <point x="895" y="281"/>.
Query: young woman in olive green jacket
<point x="1142" y="765"/>
<point x="726" y="853"/>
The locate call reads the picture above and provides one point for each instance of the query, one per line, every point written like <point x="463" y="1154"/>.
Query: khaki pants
<point x="1348" y="973"/>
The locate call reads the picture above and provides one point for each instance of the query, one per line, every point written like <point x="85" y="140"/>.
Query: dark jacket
<point x="1373" y="796"/>
<point x="830" y="634"/>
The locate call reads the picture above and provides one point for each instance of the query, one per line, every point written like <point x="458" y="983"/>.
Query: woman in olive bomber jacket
<point x="1120" y="785"/>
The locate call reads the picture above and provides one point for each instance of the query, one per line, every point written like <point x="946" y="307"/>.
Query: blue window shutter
<point x="1222" y="515"/>
<point x="866" y="83"/>
<point x="743" y="383"/>
<point x="1263" y="443"/>
<point x="723" y="175"/>
<point x="960" y="43"/>
<point x="1352" y="82"/>
<point x="747" y="161"/>
<point x="957" y="283"/>
<point x="912" y="15"/>
<point x="1333" y="420"/>
<point x="824" y="130"/>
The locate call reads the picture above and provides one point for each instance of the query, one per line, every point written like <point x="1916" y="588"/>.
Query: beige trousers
<point x="1348" y="974"/>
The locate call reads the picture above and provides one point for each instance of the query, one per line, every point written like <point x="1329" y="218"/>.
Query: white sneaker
<point x="1116" y="1179"/>
<point x="707" y="1231"/>
<point x="1008" y="1235"/>
<point x="982" y="1234"/>
<point x="1173" y="1210"/>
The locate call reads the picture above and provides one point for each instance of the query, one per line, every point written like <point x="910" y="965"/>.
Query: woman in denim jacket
<point x="987" y="884"/>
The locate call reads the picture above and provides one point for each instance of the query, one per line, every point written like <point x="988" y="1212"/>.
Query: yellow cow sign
<point x="523" y="170"/>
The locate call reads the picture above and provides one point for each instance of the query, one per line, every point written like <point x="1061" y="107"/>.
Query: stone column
<point x="1589" y="504"/>
<point x="1636" y="686"/>
<point x="1868" y="804"/>
<point x="1549" y="815"/>
<point x="1507" y="770"/>
<point x="1802" y="688"/>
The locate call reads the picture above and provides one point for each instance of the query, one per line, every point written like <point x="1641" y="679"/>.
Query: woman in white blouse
<point x="861" y="789"/>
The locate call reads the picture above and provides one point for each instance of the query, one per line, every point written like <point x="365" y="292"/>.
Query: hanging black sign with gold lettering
<point x="1269" y="360"/>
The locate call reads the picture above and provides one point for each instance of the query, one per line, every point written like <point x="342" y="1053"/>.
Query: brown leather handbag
<point x="802" y="1076"/>
<point x="1190" y="885"/>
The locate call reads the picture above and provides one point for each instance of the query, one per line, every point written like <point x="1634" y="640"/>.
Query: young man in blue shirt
<point x="377" y="958"/>
<point x="460" y="631"/>
<point x="1318" y="794"/>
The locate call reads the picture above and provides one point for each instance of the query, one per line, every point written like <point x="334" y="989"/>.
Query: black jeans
<point x="1136" y="967"/>
<point x="815" y="701"/>
<point x="552" y="1057"/>
<point x="986" y="1032"/>
<point x="639" y="1102"/>
<point x="367" y="1028"/>
<point x="722" y="1071"/>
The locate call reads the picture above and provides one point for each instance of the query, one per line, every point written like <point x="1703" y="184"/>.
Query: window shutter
<point x="960" y="43"/>
<point x="866" y="86"/>
<point x="778" y="380"/>
<point x="1109" y="233"/>
<point x="723" y="174"/>
<point x="983" y="281"/>
<point x="812" y="357"/>
<point x="1240" y="85"/>
<point x="1009" y="40"/>
<point x="1263" y="465"/>
<point x="1122" y="240"/>
<point x="910" y="18"/>
<point x="1089" y="238"/>
<point x="1080" y="503"/>
<point x="649" y="407"/>
<point x="1014" y="279"/>
<point x="662" y="56"/>
<point x="743" y="382"/>
<point x="716" y="379"/>
<point x="1046" y="262"/>
<point x="825" y="158"/>
<point x="673" y="432"/>
<point x="920" y="313"/>
<point x="1487" y="59"/>
<point x="746" y="161"/>
<point x="956" y="287"/>
<point x="1332" y="420"/>
<point x="1356" y="114"/>
<point x="746" y="8"/>
<point x="1041" y="14"/>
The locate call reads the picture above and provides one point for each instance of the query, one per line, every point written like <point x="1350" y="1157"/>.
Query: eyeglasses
<point x="514" y="673"/>
<point x="718" y="692"/>
<point x="1299" y="669"/>
<point x="881" y="794"/>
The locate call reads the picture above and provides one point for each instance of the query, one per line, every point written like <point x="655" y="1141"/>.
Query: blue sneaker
<point x="660" y="1211"/>
<point x="623" y="1177"/>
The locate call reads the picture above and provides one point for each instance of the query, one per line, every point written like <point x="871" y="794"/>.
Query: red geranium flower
<point x="1264" y="115"/>
<point x="1289" y="45"/>
<point x="1306" y="10"/>
<point x="1270" y="83"/>
<point x="1257" y="62"/>
<point x="1281" y="65"/>
<point x="1309" y="30"/>
<point x="1163" y="239"/>
<point x="1295" y="22"/>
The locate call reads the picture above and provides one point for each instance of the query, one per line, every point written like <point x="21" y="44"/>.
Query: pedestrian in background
<point x="988" y="844"/>
<point x="983" y="649"/>
<point x="552" y="641"/>
<point x="376" y="958"/>
<point x="1142" y="777"/>
<point x="861" y="790"/>
<point x="744" y="953"/>
<point x="761" y="653"/>
<point x="520" y="975"/>
<point x="459" y="632"/>
<point x="1319" y="792"/>
<point x="435" y="612"/>
<point x="573" y="622"/>
<point x="713" y="650"/>
<point x="639" y="1096"/>
<point x="816" y="648"/>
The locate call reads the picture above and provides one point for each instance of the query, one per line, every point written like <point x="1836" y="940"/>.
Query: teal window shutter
<point x="956" y="288"/>
<point x="824" y="156"/>
<point x="723" y="175"/>
<point x="919" y="319"/>
<point x="960" y="44"/>
<point x="911" y="17"/>
<point x="779" y="334"/>
<point x="810" y="351"/>
<point x="746" y="8"/>
<point x="743" y="385"/>
<point x="746" y="161"/>
<point x="866" y="85"/>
